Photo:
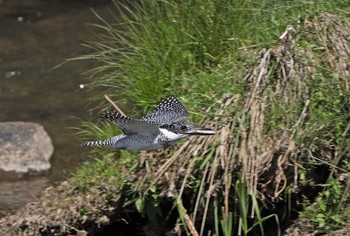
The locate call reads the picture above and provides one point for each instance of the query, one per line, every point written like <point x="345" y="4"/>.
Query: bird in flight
<point x="165" y="125"/>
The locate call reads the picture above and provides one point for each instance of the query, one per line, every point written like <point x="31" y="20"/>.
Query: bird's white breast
<point x="171" y="135"/>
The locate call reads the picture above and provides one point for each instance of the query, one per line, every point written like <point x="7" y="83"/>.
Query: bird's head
<point x="186" y="128"/>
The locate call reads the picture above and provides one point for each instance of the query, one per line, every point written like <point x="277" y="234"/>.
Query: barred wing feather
<point x="168" y="111"/>
<point x="131" y="126"/>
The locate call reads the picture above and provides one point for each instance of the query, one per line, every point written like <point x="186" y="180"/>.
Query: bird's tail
<point x="114" y="141"/>
<point x="94" y="143"/>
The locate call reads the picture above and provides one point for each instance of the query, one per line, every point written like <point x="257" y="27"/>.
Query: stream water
<point x="35" y="36"/>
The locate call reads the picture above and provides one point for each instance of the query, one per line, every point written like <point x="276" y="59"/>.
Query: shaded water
<point x="35" y="36"/>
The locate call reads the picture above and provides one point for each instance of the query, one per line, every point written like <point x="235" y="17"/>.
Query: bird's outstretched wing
<point x="131" y="126"/>
<point x="168" y="111"/>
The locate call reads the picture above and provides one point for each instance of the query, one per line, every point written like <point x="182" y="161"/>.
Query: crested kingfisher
<point x="166" y="124"/>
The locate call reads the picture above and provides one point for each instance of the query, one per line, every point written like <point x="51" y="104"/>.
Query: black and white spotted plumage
<point x="168" y="111"/>
<point x="160" y="128"/>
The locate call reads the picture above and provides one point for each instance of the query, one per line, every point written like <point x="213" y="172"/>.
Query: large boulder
<point x="25" y="147"/>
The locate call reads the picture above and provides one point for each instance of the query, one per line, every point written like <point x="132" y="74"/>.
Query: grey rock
<point x="25" y="147"/>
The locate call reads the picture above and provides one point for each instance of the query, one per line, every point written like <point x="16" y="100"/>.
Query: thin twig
<point x="167" y="164"/>
<point x="114" y="105"/>
<point x="212" y="174"/>
<point x="188" y="173"/>
<point x="188" y="221"/>
<point x="204" y="175"/>
<point x="301" y="118"/>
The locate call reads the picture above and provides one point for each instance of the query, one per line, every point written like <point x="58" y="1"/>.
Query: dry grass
<point x="268" y="158"/>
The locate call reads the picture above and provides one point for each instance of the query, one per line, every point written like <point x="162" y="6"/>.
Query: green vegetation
<point x="329" y="213"/>
<point x="329" y="208"/>
<point x="166" y="47"/>
<point x="281" y="114"/>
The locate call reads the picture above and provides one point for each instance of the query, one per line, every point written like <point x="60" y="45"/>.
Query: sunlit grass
<point x="159" y="44"/>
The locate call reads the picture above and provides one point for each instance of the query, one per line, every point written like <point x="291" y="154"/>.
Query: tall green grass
<point x="171" y="47"/>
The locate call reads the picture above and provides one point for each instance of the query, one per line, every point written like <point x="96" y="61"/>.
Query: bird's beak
<point x="200" y="131"/>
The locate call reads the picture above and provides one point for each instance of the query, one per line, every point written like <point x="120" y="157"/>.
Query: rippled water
<point x="35" y="36"/>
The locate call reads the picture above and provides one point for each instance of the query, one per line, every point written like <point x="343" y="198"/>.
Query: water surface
<point x="35" y="36"/>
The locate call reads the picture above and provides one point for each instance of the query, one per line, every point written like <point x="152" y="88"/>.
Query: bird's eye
<point x="183" y="127"/>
